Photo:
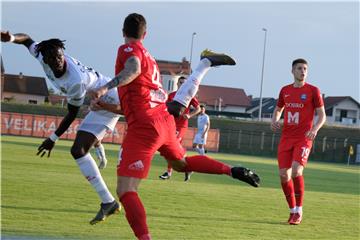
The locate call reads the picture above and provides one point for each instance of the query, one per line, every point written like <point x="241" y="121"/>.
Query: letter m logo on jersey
<point x="293" y="118"/>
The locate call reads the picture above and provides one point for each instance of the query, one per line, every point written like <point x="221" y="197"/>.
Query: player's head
<point x="53" y="54"/>
<point x="299" y="69"/>
<point x="134" y="26"/>
<point x="202" y="108"/>
<point x="180" y="81"/>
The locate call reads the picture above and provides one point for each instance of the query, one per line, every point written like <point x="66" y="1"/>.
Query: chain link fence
<point x="262" y="143"/>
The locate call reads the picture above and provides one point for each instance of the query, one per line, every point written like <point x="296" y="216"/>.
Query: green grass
<point x="49" y="199"/>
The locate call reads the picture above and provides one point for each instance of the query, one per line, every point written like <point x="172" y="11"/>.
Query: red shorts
<point x="143" y="140"/>
<point x="293" y="149"/>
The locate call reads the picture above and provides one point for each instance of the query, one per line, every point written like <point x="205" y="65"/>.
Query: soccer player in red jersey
<point x="181" y="121"/>
<point x="151" y="127"/>
<point x="299" y="101"/>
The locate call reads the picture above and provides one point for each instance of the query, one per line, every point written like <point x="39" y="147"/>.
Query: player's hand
<point x="311" y="134"/>
<point x="5" y="36"/>
<point x="186" y="116"/>
<point x="47" y="145"/>
<point x="97" y="93"/>
<point x="95" y="105"/>
<point x="275" y="126"/>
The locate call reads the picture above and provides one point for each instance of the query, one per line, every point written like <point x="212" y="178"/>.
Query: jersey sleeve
<point x="194" y="102"/>
<point x="280" y="102"/>
<point x="76" y="94"/>
<point x="34" y="53"/>
<point x="317" y="99"/>
<point x="124" y="53"/>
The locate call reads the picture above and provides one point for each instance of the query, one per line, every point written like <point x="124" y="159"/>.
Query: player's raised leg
<point x="188" y="90"/>
<point x="205" y="164"/>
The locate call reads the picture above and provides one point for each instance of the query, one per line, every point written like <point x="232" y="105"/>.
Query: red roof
<point x="331" y="101"/>
<point x="210" y="95"/>
<point x="174" y="68"/>
<point x="25" y="84"/>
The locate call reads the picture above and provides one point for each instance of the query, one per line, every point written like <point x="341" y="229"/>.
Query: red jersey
<point x="180" y="121"/>
<point x="299" y="108"/>
<point x="144" y="97"/>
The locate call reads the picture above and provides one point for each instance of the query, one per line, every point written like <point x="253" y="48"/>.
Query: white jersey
<point x="203" y="121"/>
<point x="77" y="80"/>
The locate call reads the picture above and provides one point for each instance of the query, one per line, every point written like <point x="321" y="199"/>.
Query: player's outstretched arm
<point x="18" y="38"/>
<point x="132" y="69"/>
<point x="48" y="144"/>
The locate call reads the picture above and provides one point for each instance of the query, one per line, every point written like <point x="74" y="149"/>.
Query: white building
<point x="342" y="110"/>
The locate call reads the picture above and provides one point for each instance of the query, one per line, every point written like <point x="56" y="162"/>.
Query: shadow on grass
<point x="36" y="144"/>
<point x="46" y="209"/>
<point x="193" y="217"/>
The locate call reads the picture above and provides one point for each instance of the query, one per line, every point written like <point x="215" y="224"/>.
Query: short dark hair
<point x="181" y="78"/>
<point x="202" y="105"/>
<point x="44" y="47"/>
<point x="299" y="60"/>
<point x="134" y="26"/>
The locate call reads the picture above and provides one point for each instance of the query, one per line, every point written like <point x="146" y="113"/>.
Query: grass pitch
<point x="48" y="198"/>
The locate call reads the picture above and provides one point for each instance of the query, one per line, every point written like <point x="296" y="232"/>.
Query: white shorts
<point x="98" y="121"/>
<point x="98" y="130"/>
<point x="101" y="118"/>
<point x="199" y="140"/>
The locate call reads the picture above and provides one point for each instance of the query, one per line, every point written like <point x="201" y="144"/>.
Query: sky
<point x="325" y="33"/>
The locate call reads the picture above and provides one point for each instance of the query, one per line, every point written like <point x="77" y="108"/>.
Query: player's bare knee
<point x="284" y="175"/>
<point x="296" y="173"/>
<point x="284" y="178"/>
<point x="119" y="192"/>
<point x="77" y="151"/>
<point x="178" y="166"/>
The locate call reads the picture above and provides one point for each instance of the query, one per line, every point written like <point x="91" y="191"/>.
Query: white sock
<point x="189" y="88"/>
<point x="91" y="172"/>
<point x="202" y="151"/>
<point x="293" y="210"/>
<point x="299" y="209"/>
<point x="100" y="151"/>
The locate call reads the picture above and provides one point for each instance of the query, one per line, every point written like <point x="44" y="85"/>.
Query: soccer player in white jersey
<point x="199" y="142"/>
<point x="203" y="125"/>
<point x="74" y="79"/>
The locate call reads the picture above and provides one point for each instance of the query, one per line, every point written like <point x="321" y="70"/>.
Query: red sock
<point x="205" y="164"/>
<point x="288" y="189"/>
<point x="299" y="187"/>
<point x="135" y="214"/>
<point x="169" y="168"/>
